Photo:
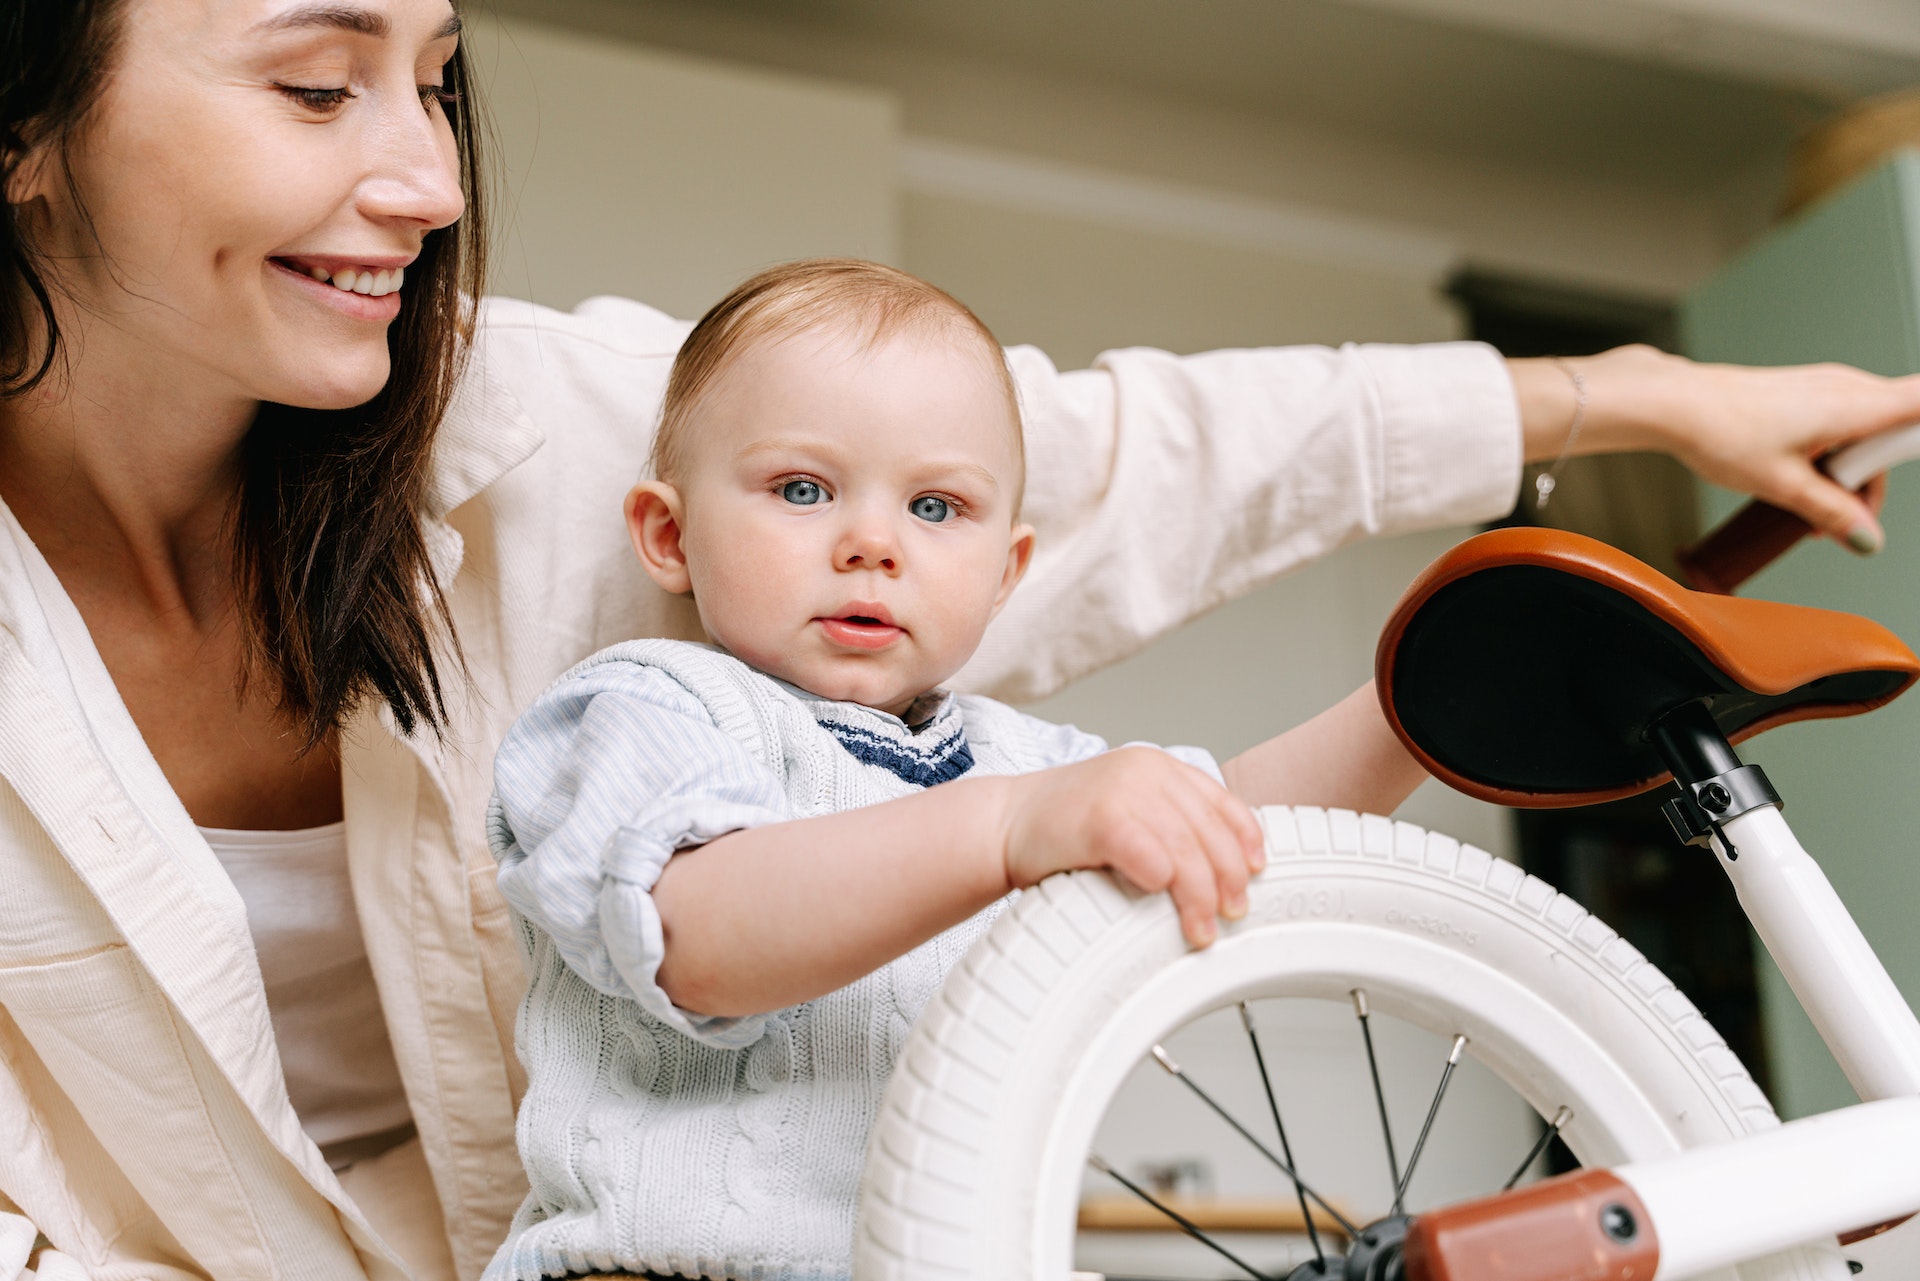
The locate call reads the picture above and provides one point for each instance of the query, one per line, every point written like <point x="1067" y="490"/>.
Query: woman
<point x="256" y="986"/>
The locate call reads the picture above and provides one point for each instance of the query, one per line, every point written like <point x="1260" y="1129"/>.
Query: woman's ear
<point x="655" y="519"/>
<point x="27" y="173"/>
<point x="1019" y="554"/>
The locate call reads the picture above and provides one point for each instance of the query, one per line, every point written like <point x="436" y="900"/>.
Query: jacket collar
<point x="486" y="433"/>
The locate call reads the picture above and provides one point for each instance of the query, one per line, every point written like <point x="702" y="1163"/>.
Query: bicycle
<point x="1498" y="651"/>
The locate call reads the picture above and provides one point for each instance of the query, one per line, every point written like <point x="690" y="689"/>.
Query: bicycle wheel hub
<point x="1375" y="1254"/>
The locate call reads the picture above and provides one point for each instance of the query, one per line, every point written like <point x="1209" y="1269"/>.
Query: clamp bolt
<point x="1714" y="798"/>
<point x="1617" y="1221"/>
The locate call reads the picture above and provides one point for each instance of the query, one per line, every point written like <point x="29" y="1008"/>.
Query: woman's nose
<point x="414" y="175"/>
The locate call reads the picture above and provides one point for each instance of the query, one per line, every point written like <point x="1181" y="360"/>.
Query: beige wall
<point x="1076" y="288"/>
<point x="668" y="178"/>
<point x="1576" y="220"/>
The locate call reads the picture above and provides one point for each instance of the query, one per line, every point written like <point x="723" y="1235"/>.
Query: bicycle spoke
<point x="1186" y="1225"/>
<point x="1433" y="1110"/>
<point x="1359" y="995"/>
<point x="1286" y="1149"/>
<point x="1286" y="1167"/>
<point x="1554" y="1127"/>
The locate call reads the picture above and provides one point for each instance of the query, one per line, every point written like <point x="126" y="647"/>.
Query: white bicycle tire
<point x="973" y="1168"/>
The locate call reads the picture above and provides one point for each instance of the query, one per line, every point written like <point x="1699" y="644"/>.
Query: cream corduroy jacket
<point x="144" y="1126"/>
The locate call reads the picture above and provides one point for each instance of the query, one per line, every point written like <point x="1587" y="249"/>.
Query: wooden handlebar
<point x="1744" y="544"/>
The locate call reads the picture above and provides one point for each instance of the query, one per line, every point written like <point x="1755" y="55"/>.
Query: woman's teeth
<point x="375" y="284"/>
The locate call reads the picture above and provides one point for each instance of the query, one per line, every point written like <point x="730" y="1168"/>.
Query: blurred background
<point x="1551" y="176"/>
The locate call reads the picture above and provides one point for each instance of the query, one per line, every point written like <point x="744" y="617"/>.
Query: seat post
<point x="1732" y="810"/>
<point x="1691" y="744"/>
<point x="1714" y="786"/>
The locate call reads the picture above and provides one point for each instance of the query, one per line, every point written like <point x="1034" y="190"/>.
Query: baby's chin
<point x="869" y="688"/>
<point x="877" y="681"/>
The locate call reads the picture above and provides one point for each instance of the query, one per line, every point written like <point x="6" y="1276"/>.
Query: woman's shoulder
<point x="512" y="333"/>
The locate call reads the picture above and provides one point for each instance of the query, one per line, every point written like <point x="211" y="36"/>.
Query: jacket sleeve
<point x="1162" y="486"/>
<point x="18" y="1259"/>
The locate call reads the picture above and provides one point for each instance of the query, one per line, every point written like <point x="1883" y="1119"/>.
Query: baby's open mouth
<point x="865" y="625"/>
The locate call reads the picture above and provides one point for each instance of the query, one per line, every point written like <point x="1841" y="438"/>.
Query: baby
<point x="744" y="867"/>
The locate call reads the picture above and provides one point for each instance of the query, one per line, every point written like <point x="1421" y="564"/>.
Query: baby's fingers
<point x="1220" y="834"/>
<point x="1197" y="895"/>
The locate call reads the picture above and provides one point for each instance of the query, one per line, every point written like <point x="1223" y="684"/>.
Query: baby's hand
<point x="1160" y="824"/>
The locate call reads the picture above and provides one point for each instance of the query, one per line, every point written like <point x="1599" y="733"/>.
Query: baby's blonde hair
<point x="875" y="300"/>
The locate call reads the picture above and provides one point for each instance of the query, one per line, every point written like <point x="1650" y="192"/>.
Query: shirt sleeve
<point x="596" y="787"/>
<point x="1052" y="743"/>
<point x="1162" y="486"/>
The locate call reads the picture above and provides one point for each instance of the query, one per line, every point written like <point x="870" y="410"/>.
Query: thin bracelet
<point x="1543" y="483"/>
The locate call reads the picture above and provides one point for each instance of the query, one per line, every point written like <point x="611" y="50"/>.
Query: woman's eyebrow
<point x="346" y="17"/>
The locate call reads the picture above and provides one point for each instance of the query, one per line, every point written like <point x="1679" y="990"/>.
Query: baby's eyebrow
<point x="974" y="471"/>
<point x="781" y="445"/>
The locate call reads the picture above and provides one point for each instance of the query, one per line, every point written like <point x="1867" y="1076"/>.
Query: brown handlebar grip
<point x="1584" y="1226"/>
<point x="1744" y="544"/>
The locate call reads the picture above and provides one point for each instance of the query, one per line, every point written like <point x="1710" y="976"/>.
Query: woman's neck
<point x="115" y="468"/>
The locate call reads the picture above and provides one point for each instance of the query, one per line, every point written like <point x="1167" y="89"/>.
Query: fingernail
<point x="1236" y="907"/>
<point x="1259" y="860"/>
<point x="1207" y="932"/>
<point x="1865" y="539"/>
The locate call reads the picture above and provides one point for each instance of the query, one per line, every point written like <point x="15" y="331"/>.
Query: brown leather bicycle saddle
<point x="1524" y="667"/>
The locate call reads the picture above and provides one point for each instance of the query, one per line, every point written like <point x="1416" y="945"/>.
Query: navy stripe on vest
<point x="949" y="760"/>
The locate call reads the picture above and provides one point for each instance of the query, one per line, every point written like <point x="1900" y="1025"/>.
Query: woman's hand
<point x="1158" y="823"/>
<point x="1759" y="430"/>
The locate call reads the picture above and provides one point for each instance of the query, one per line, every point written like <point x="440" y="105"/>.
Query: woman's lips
<point x="861" y="633"/>
<point x="378" y="310"/>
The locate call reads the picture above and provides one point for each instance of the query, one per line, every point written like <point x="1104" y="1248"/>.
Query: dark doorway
<point x="1621" y="861"/>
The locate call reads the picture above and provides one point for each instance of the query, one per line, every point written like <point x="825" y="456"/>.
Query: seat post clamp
<point x="1701" y="807"/>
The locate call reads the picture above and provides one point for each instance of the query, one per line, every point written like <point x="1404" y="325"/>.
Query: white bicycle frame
<point x="1825" y="1175"/>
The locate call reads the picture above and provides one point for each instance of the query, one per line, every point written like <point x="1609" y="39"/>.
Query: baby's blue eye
<point x="802" y="493"/>
<point x="930" y="509"/>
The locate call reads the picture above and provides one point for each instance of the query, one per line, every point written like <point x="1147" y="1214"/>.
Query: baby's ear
<point x="1019" y="554"/>
<point x="654" y="521"/>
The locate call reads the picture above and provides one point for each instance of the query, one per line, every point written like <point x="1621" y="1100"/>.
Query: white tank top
<point x="339" y="1064"/>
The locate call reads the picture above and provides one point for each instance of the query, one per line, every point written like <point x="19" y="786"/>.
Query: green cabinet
<point x="1842" y="282"/>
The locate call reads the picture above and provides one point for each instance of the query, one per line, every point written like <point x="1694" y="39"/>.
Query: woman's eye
<point x="802" y="493"/>
<point x="930" y="509"/>
<point x="430" y="94"/>
<point x="323" y="101"/>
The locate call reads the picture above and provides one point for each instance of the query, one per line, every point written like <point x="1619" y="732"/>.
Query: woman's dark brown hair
<point x="340" y="600"/>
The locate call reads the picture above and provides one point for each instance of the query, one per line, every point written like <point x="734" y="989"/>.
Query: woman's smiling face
<point x="241" y="151"/>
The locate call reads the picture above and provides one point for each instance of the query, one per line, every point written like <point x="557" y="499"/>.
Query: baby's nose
<point x="860" y="560"/>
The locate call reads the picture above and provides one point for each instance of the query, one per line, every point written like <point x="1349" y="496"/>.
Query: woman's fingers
<point x="1835" y="511"/>
<point x="1874" y="494"/>
<point x="1762" y="430"/>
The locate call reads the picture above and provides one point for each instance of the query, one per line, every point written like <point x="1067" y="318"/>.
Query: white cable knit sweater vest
<point x="649" y="1149"/>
